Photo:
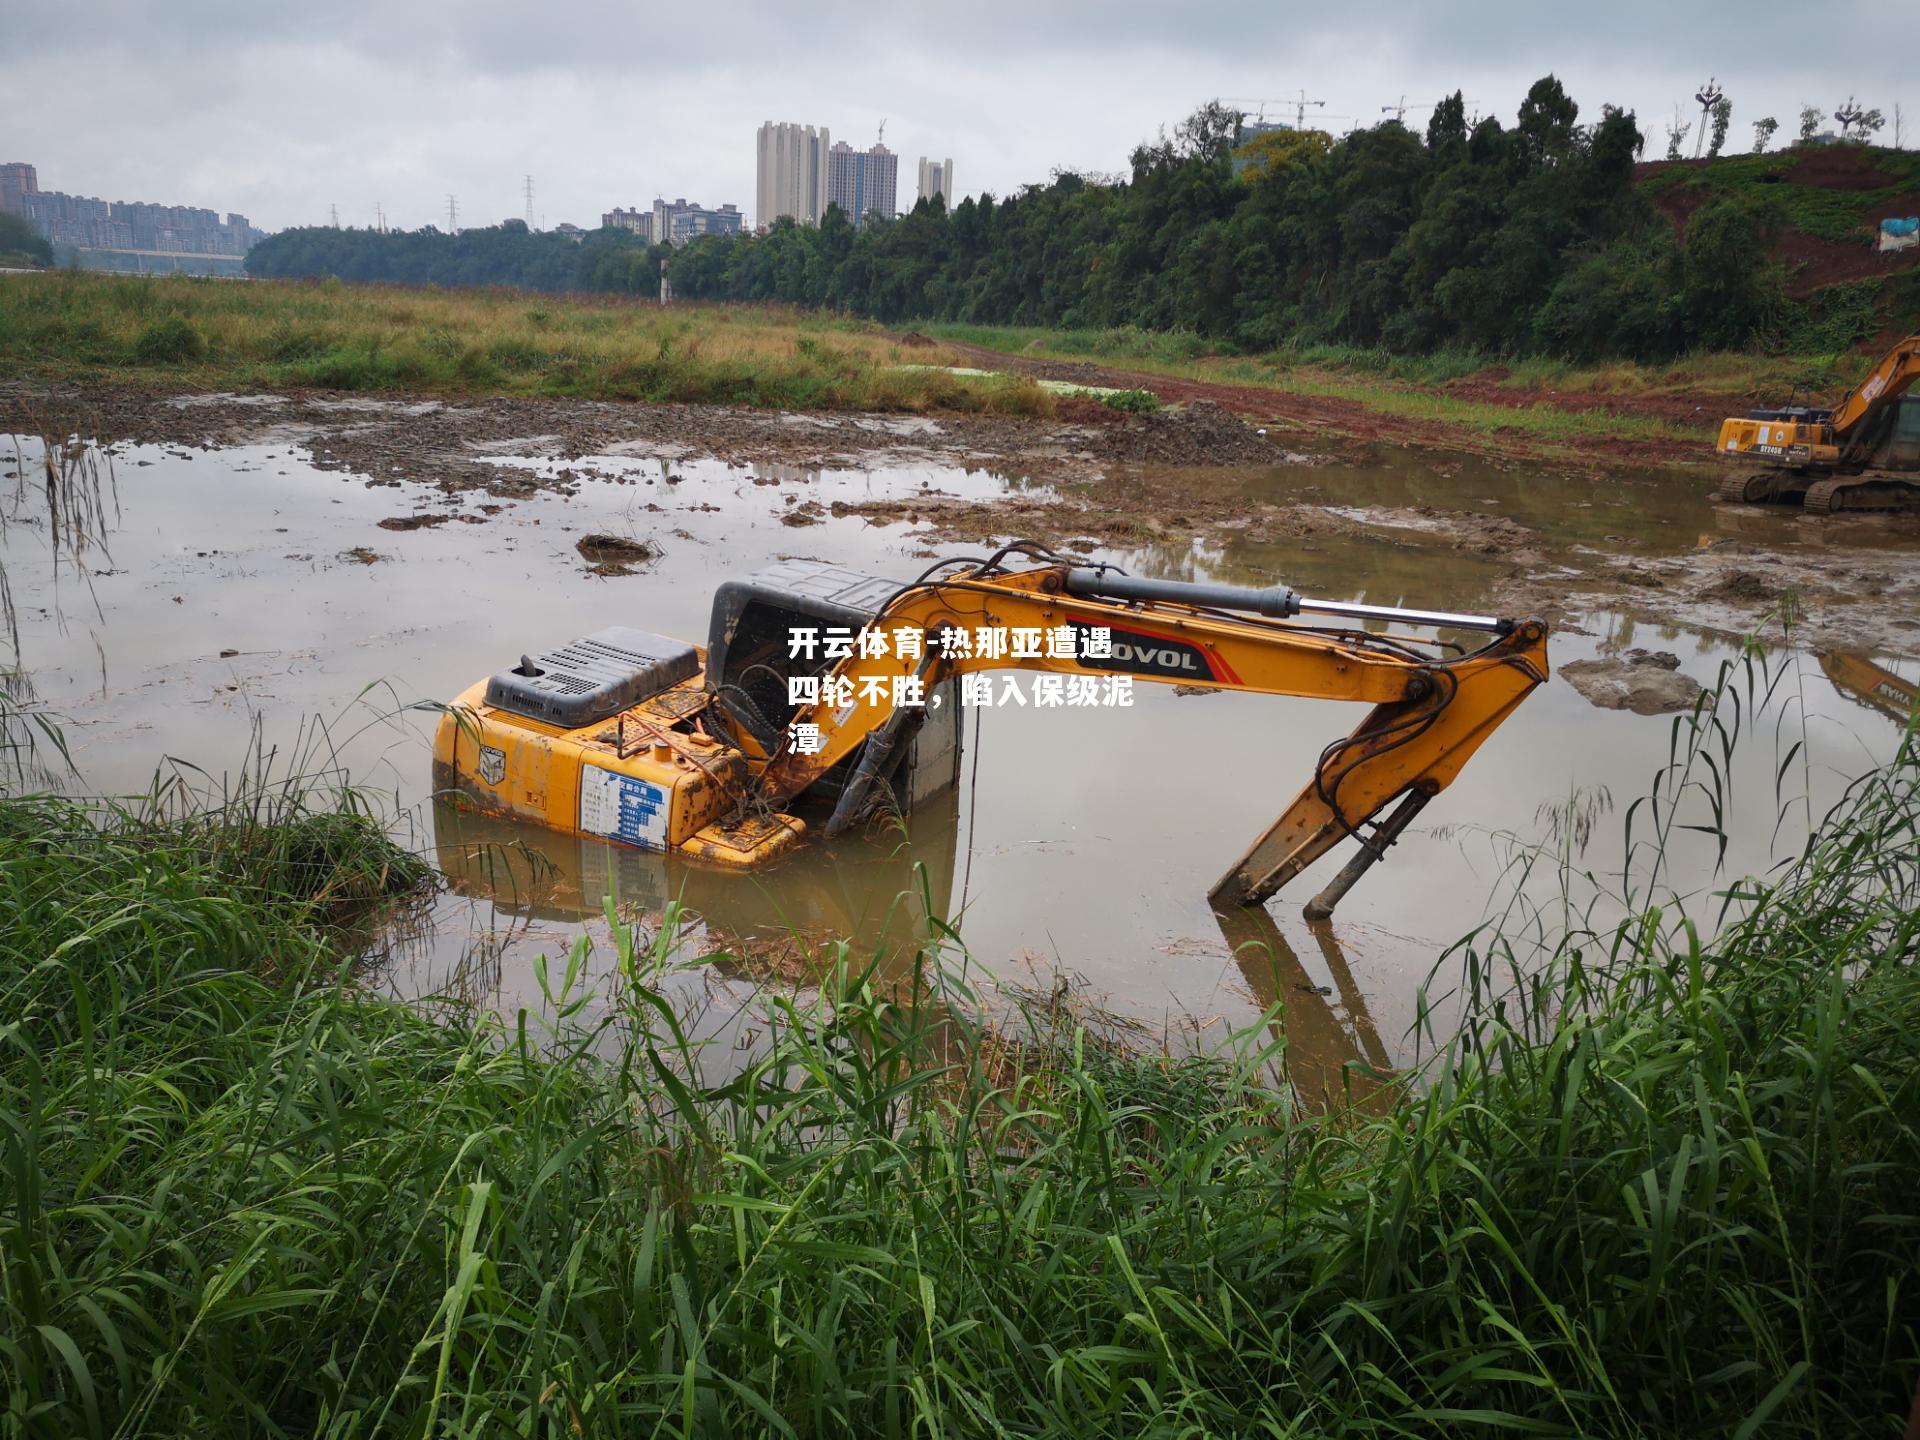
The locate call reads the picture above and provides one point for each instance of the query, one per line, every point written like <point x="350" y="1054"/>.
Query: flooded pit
<point x="242" y="592"/>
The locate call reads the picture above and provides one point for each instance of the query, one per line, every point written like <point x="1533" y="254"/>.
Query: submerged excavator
<point x="725" y="759"/>
<point x="1863" y="454"/>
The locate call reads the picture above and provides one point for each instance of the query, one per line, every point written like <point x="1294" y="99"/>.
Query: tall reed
<point x="1662" y="1180"/>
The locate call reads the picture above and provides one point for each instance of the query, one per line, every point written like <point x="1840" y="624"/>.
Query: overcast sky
<point x="280" y="110"/>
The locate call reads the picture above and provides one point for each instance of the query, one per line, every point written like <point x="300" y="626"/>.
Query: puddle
<point x="243" y="592"/>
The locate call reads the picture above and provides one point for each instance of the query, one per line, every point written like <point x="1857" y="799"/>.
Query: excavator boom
<point x="637" y="738"/>
<point x="1427" y="717"/>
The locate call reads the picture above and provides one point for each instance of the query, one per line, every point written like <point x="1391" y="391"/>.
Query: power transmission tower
<point x="453" y="216"/>
<point x="379" y="217"/>
<point x="529" y="180"/>
<point x="334" y="210"/>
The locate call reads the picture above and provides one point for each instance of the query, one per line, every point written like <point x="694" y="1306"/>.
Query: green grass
<point x="1657" y="1184"/>
<point x="182" y="332"/>
<point x="1839" y="216"/>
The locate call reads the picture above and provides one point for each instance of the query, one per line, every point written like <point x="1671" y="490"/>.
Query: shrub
<point x="172" y="340"/>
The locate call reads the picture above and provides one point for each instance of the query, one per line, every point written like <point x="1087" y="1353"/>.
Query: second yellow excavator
<point x="647" y="741"/>
<point x="1863" y="454"/>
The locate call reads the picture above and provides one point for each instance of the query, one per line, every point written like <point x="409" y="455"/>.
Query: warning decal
<point x="623" y="808"/>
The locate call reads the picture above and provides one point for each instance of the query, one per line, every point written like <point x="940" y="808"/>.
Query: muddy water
<point x="236" y="605"/>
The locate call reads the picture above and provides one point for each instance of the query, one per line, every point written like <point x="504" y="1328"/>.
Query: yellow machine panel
<point x="1766" y="437"/>
<point x="633" y="780"/>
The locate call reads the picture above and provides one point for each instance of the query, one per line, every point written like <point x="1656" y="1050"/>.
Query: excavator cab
<point x="748" y="666"/>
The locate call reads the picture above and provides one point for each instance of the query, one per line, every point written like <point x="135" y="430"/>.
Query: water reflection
<point x="1334" y="1053"/>
<point x="879" y="892"/>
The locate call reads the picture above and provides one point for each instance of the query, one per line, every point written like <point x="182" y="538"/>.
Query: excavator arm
<point x="1429" y="711"/>
<point x="1892" y="377"/>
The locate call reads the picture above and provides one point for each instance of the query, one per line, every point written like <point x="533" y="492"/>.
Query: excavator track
<point x="1854" y="494"/>
<point x="1762" y="488"/>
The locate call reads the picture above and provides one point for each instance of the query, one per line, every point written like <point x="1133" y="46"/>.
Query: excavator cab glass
<point x="750" y="657"/>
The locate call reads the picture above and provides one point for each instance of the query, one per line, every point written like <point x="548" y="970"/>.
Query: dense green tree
<point x="1523" y="240"/>
<point x="20" y="241"/>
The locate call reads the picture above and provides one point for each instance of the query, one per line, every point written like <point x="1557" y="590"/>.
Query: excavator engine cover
<point x="594" y="677"/>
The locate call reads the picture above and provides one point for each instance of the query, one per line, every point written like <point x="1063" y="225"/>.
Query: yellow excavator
<point x="725" y="758"/>
<point x="1863" y="454"/>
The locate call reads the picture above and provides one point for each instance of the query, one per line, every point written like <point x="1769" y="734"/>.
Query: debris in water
<point x="810" y="513"/>
<point x="1742" y="586"/>
<point x="1647" y="682"/>
<point x="413" y="522"/>
<point x="615" y="554"/>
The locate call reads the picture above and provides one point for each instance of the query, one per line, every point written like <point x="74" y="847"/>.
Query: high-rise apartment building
<point x="863" y="182"/>
<point x="936" y="178"/>
<point x="639" y="221"/>
<point x="791" y="176"/>
<point x="17" y="181"/>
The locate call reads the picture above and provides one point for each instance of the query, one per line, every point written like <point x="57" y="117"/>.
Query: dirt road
<point x="1329" y="416"/>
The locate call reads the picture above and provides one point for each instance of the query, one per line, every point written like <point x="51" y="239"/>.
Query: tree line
<point x="1528" y="239"/>
<point x="508" y="254"/>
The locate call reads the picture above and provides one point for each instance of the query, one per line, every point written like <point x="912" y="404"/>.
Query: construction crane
<point x="1400" y="108"/>
<point x="646" y="741"/>
<point x="1861" y="454"/>
<point x="1300" y="104"/>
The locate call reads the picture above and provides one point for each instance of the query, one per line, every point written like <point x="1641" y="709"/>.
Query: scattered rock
<point x="1644" y="682"/>
<point x="361" y="555"/>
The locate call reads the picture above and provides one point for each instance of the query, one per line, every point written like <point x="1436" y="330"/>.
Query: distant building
<point x="134" y="230"/>
<point x="791" y="173"/>
<point x="936" y="178"/>
<point x="640" y="222"/>
<point x="863" y="182"/>
<point x="1258" y="125"/>
<point x="17" y="181"/>
<point x="570" y="230"/>
<point x="675" y="222"/>
<point x="682" y="220"/>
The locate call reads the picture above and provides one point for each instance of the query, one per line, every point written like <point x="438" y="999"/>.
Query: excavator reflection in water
<point x="878" y="890"/>
<point x="1863" y="679"/>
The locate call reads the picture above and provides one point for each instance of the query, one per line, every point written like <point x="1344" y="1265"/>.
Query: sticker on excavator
<point x="623" y="808"/>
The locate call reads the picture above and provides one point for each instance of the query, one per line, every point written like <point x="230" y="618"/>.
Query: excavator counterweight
<point x="730" y="757"/>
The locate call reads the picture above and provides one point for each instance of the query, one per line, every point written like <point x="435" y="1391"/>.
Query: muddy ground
<point x="1104" y="479"/>
<point x="1292" y="416"/>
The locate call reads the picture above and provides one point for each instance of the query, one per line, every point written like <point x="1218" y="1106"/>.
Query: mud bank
<point x="1092" y="478"/>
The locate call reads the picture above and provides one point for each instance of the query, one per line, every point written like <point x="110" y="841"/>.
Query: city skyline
<point x="362" y="106"/>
